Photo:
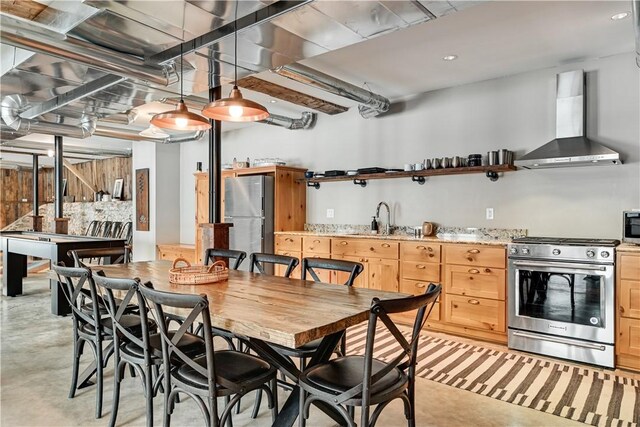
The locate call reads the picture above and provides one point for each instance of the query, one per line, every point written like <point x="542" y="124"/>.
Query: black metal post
<point x="215" y="162"/>
<point x="36" y="206"/>
<point x="57" y="171"/>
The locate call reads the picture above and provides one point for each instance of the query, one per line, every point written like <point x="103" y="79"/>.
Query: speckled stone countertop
<point x="628" y="247"/>
<point x="461" y="238"/>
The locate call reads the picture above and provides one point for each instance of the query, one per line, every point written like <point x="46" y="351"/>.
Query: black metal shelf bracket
<point x="419" y="179"/>
<point x="361" y="182"/>
<point x="315" y="185"/>
<point x="493" y="176"/>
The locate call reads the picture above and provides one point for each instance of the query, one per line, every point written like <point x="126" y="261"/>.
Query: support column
<point x="36" y="217"/>
<point x="61" y="223"/>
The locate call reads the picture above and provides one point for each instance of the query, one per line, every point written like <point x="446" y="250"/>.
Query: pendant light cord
<point x="181" y="75"/>
<point x="235" y="46"/>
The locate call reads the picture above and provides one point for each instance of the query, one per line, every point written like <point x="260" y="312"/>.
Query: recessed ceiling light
<point x="450" y="58"/>
<point x="621" y="15"/>
<point x="273" y="101"/>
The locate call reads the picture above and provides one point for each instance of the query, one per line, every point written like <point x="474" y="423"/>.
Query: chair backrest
<point x="212" y="254"/>
<point x="258" y="261"/>
<point x="198" y="305"/>
<point x="81" y="257"/>
<point x="94" y="228"/>
<point x="116" y="227"/>
<point x="309" y="264"/>
<point x="406" y="359"/>
<point x="126" y="232"/>
<point x="80" y="290"/>
<point x="106" y="228"/>
<point x="132" y="293"/>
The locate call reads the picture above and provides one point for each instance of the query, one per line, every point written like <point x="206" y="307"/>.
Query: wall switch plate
<point x="489" y="213"/>
<point x="330" y="213"/>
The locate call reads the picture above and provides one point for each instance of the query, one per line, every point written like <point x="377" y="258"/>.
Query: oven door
<point x="567" y="299"/>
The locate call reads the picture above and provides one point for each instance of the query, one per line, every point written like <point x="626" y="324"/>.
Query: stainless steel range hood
<point x="571" y="147"/>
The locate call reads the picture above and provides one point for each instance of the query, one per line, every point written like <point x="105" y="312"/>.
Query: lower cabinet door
<point x="478" y="313"/>
<point x="279" y="270"/>
<point x="383" y="274"/>
<point x="629" y="337"/>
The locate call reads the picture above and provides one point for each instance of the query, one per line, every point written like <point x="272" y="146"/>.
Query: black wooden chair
<point x="89" y="325"/>
<point x="309" y="265"/>
<point x="205" y="378"/>
<point x="141" y="350"/>
<point x="260" y="261"/>
<point x="94" y="228"/>
<point x="364" y="381"/>
<point x="211" y="255"/>
<point x="116" y="229"/>
<point x="126" y="233"/>
<point x="83" y="257"/>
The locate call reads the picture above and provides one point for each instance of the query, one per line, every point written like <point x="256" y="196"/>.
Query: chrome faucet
<point x="387" y="226"/>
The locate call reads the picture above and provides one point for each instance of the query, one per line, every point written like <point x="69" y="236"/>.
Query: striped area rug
<point x="575" y="392"/>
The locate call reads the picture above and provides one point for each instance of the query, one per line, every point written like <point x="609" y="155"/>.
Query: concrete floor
<point x="35" y="373"/>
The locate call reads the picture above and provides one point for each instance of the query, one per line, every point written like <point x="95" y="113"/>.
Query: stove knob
<point x="591" y="253"/>
<point x="525" y="251"/>
<point x="513" y="251"/>
<point x="605" y="254"/>
<point x="556" y="252"/>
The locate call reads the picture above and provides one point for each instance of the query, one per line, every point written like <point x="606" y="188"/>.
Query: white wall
<point x="516" y="112"/>
<point x="164" y="192"/>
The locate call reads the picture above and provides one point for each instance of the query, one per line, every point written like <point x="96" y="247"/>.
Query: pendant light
<point x="235" y="108"/>
<point x="180" y="118"/>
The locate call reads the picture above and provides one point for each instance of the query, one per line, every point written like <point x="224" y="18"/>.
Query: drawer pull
<point x="430" y="249"/>
<point x="487" y="270"/>
<point x="473" y="301"/>
<point x="469" y="259"/>
<point x="431" y="255"/>
<point x="343" y="243"/>
<point x="386" y="245"/>
<point x="621" y="309"/>
<point x="474" y="271"/>
<point x="422" y="248"/>
<point x="288" y="239"/>
<point x="474" y="251"/>
<point x="316" y="241"/>
<point x="420" y="267"/>
<point x="421" y="285"/>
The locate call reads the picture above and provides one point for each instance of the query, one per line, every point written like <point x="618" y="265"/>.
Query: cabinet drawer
<point x="478" y="313"/>
<point x="421" y="271"/>
<point x="418" y="251"/>
<point x="486" y="256"/>
<point x="630" y="267"/>
<point x="319" y="245"/>
<point x="629" y="337"/>
<point x="409" y="317"/>
<point x="279" y="270"/>
<point x="323" y="275"/>
<point x="481" y="282"/>
<point x="366" y="248"/>
<point x="629" y="297"/>
<point x="413" y="287"/>
<point x="288" y="243"/>
<point x="170" y="253"/>
<point x="341" y="277"/>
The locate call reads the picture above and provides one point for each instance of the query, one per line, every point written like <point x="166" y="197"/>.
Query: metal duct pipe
<point x="371" y="104"/>
<point x="121" y="118"/>
<point x="307" y="121"/>
<point x="9" y="134"/>
<point x="26" y="36"/>
<point x="10" y="108"/>
<point x="635" y="5"/>
<point x="129" y="135"/>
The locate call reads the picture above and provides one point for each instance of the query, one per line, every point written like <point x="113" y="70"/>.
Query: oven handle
<point x="560" y="341"/>
<point x="560" y="265"/>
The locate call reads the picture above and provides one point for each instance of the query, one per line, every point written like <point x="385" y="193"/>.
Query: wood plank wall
<point x="16" y="185"/>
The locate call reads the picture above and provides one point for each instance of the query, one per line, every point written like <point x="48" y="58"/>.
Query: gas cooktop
<point x="567" y="241"/>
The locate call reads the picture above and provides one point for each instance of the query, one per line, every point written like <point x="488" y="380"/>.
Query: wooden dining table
<point x="265" y="309"/>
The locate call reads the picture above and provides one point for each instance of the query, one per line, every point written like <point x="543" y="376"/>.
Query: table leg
<point x="289" y="412"/>
<point x="15" y="266"/>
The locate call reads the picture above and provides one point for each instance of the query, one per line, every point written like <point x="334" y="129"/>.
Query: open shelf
<point x="417" y="176"/>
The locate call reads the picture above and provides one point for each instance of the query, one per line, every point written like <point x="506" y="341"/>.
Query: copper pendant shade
<point x="180" y="119"/>
<point x="235" y="109"/>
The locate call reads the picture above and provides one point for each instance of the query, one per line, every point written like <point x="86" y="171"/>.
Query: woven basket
<point x="197" y="274"/>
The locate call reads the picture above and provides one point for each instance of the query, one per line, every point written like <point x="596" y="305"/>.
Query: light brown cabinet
<point x="290" y="198"/>
<point x="170" y="252"/>
<point x="628" y="310"/>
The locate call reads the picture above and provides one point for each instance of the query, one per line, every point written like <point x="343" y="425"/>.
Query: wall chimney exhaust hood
<point x="571" y="147"/>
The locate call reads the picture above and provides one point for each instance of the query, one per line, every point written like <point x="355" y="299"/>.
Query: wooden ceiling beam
<point x="86" y="181"/>
<point x="290" y="95"/>
<point x="27" y="9"/>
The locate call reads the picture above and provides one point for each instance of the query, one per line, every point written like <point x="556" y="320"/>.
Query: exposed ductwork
<point x="121" y="118"/>
<point x="635" y="5"/>
<point x="307" y="121"/>
<point x="371" y="104"/>
<point x="130" y="135"/>
<point x="21" y="34"/>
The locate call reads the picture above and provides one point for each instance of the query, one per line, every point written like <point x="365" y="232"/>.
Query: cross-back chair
<point x="212" y="254"/>
<point x="260" y="261"/>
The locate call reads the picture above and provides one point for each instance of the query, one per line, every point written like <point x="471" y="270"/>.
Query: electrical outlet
<point x="489" y="213"/>
<point x="330" y="213"/>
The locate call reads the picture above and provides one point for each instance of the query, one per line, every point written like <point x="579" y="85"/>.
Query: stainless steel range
<point x="561" y="298"/>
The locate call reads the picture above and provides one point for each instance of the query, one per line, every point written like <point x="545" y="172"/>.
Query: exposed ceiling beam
<point x="290" y="95"/>
<point x="86" y="181"/>
<point x="27" y="9"/>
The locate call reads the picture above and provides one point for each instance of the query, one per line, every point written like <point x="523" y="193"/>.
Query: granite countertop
<point x="460" y="238"/>
<point x="628" y="247"/>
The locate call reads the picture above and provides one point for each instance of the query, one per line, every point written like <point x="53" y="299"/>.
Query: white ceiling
<point x="492" y="39"/>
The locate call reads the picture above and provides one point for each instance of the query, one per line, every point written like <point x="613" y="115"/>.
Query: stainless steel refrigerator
<point x="248" y="204"/>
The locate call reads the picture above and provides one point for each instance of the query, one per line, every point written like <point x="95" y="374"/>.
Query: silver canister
<point x="504" y="157"/>
<point x="492" y="158"/>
